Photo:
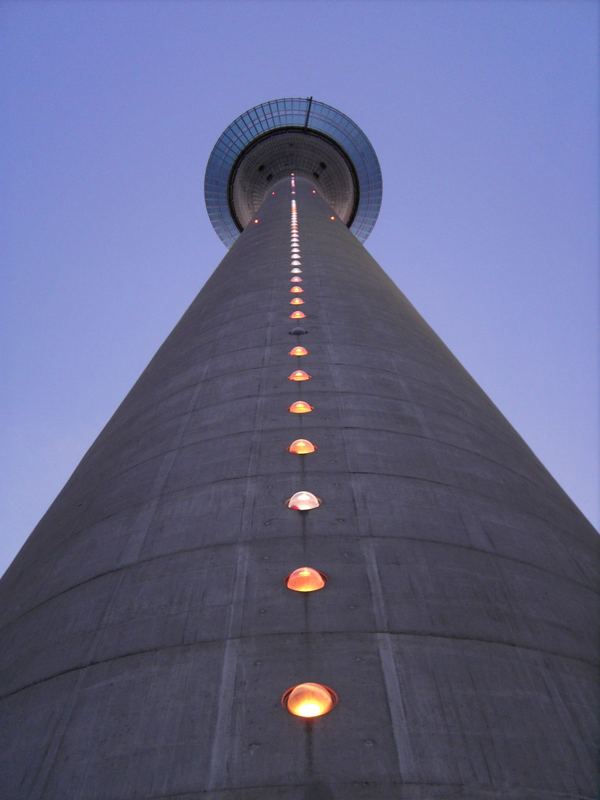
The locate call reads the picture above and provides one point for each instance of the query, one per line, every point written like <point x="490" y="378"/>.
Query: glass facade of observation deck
<point x="298" y="113"/>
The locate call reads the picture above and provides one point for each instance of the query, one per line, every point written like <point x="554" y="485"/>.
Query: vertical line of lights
<point x="306" y="700"/>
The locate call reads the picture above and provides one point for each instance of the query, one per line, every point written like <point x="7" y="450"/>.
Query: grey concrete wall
<point x="147" y="637"/>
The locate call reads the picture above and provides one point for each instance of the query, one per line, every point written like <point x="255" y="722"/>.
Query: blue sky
<point x="483" y="115"/>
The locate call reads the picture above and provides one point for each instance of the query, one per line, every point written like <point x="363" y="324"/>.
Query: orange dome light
<point x="305" y="579"/>
<point x="303" y="501"/>
<point x="300" y="407"/>
<point x="296" y="290"/>
<point x="302" y="447"/>
<point x="297" y="315"/>
<point x="309" y="700"/>
<point x="298" y="351"/>
<point x="299" y="375"/>
<point x="296" y="301"/>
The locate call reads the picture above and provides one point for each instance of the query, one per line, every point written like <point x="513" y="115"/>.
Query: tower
<point x="153" y="634"/>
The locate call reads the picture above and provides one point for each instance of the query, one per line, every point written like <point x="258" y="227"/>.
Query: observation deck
<point x="299" y="135"/>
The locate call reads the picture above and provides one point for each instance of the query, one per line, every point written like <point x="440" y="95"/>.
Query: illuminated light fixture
<point x="298" y="351"/>
<point x="299" y="375"/>
<point x="305" y="579"/>
<point x="297" y="315"/>
<point x="296" y="289"/>
<point x="295" y="279"/>
<point x="296" y="301"/>
<point x="293" y="192"/>
<point x="256" y="221"/>
<point x="302" y="447"/>
<point x="309" y="700"/>
<point x="300" y="407"/>
<point x="296" y="263"/>
<point x="332" y="218"/>
<point x="303" y="501"/>
<point x="273" y="194"/>
<point x="295" y="270"/>
<point x="314" y="191"/>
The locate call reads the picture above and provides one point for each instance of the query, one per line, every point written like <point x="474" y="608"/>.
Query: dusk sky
<point x="484" y="116"/>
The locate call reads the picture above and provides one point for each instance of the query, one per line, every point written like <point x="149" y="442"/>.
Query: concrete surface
<point x="146" y="633"/>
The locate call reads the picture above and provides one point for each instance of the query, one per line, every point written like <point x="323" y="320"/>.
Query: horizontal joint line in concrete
<point x="263" y="540"/>
<point x="313" y="634"/>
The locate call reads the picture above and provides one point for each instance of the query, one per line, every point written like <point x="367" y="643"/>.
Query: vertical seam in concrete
<point x="135" y="544"/>
<point x="220" y="755"/>
<point x="404" y="754"/>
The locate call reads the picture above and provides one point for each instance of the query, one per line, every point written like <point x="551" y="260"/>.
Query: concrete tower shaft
<point x="147" y="633"/>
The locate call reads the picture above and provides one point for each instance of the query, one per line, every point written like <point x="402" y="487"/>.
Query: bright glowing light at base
<point x="303" y="501"/>
<point x="305" y="579"/>
<point x="309" y="700"/>
<point x="299" y="375"/>
<point x="300" y="407"/>
<point x="302" y="447"/>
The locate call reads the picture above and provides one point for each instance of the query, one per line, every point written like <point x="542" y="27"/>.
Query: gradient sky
<point x="483" y="115"/>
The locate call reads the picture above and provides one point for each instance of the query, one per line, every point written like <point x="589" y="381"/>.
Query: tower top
<point x="299" y="135"/>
